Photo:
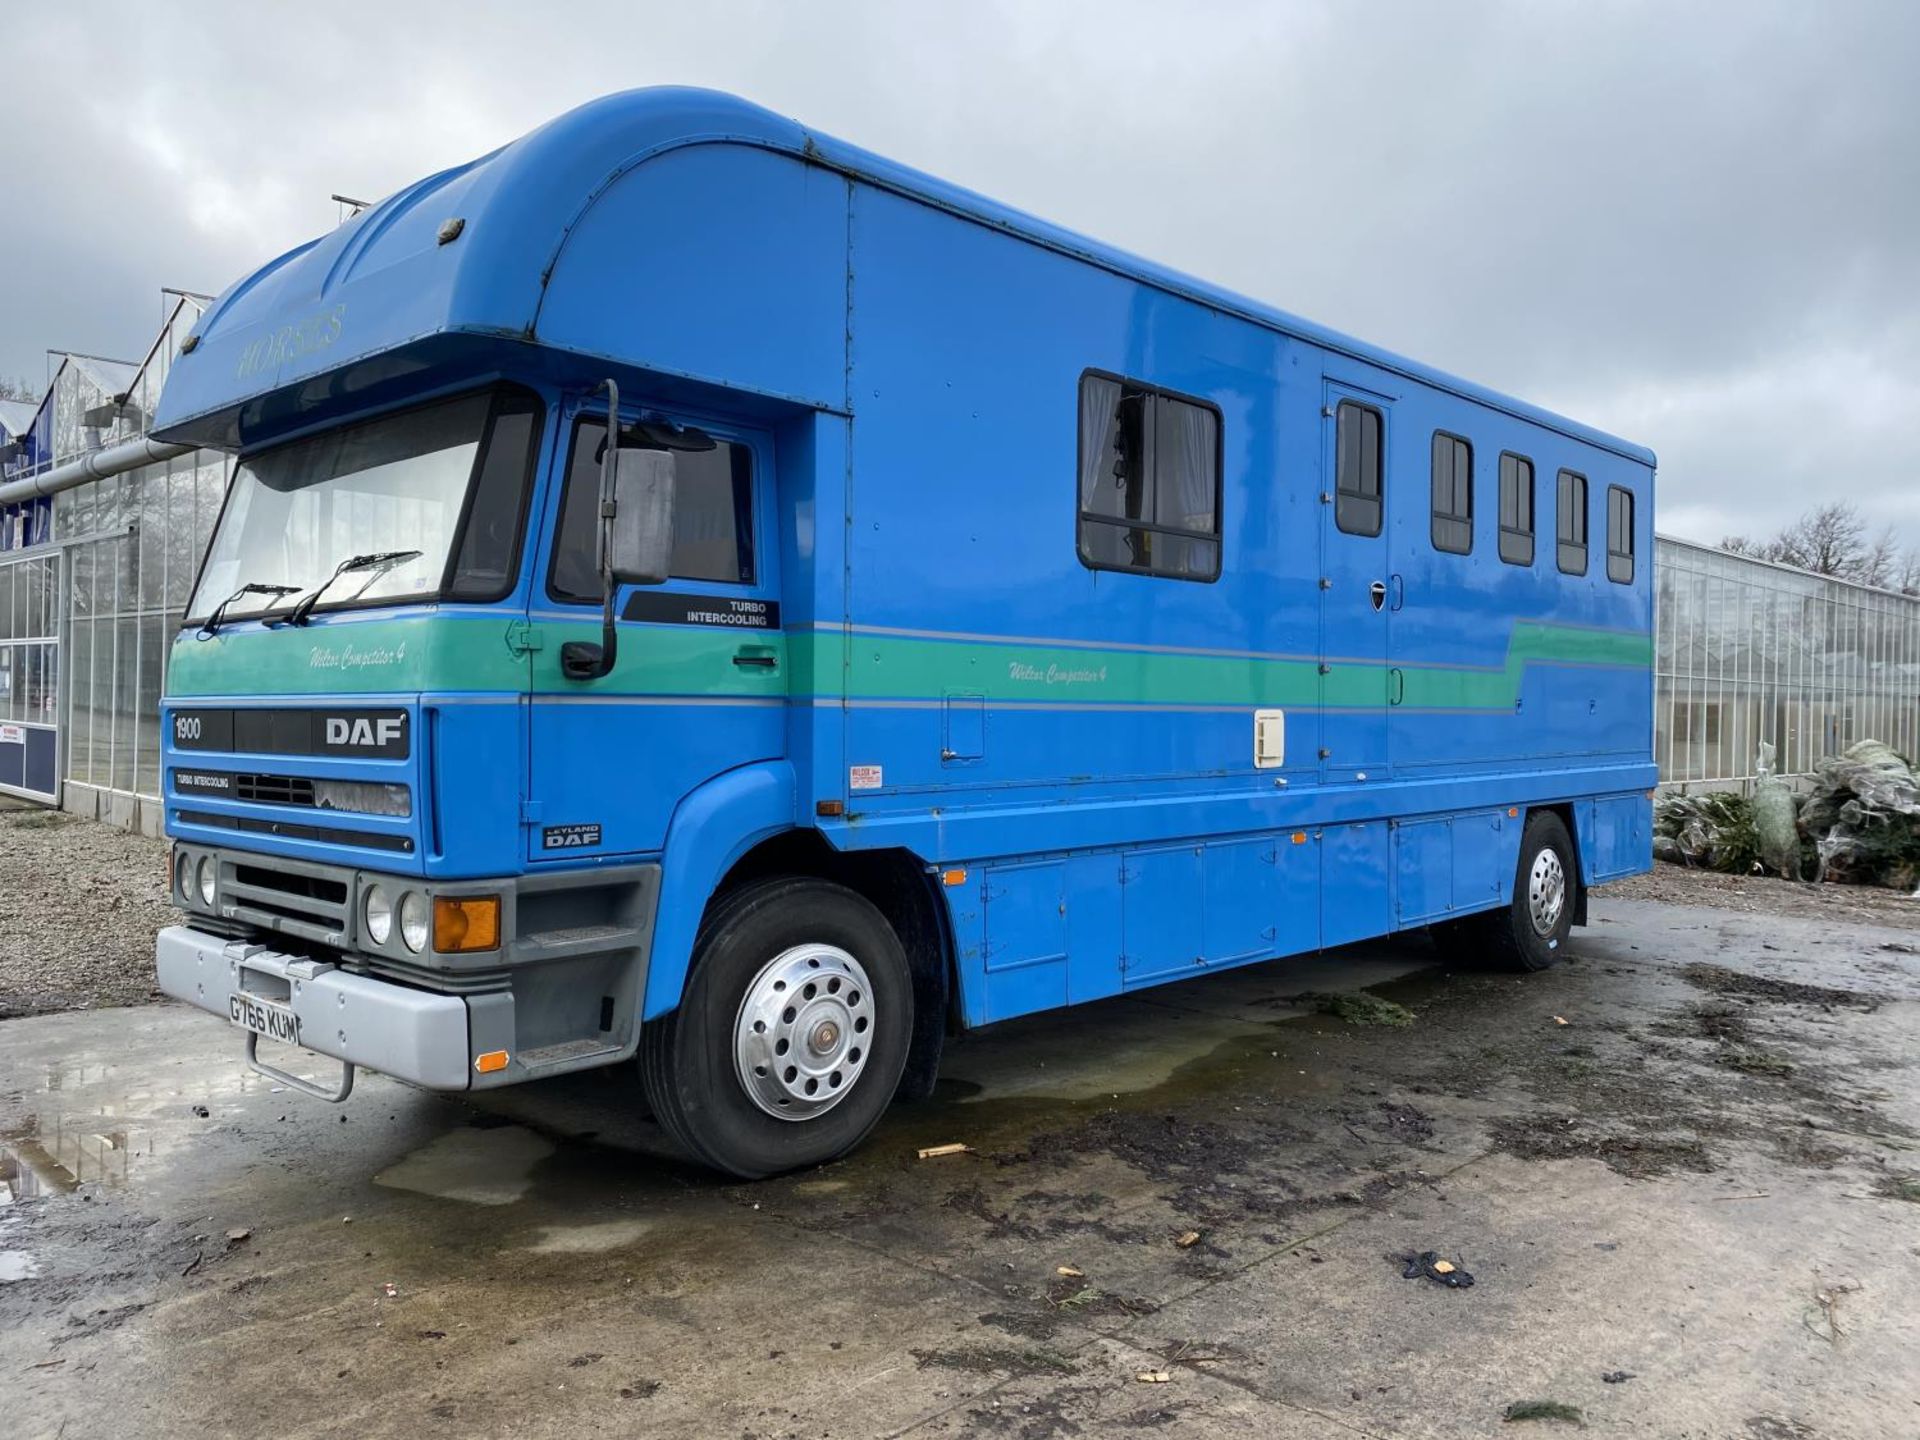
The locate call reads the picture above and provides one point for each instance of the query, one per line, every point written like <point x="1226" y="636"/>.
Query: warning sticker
<point x="17" y="735"/>
<point x="863" y="777"/>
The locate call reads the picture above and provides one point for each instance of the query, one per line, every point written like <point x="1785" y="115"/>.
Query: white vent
<point x="1269" y="739"/>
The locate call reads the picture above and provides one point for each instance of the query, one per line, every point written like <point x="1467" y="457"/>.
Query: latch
<point x="523" y="638"/>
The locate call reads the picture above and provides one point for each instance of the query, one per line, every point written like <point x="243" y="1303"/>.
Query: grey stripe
<point x="669" y="700"/>
<point x="1202" y="651"/>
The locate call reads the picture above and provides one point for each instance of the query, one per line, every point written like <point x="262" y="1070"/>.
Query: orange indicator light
<point x="466" y="922"/>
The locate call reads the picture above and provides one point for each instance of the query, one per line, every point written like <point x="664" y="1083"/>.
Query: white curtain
<point x="1099" y="404"/>
<point x="1187" y="443"/>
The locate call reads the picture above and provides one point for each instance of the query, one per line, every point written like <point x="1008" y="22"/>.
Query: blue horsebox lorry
<point x="697" y="592"/>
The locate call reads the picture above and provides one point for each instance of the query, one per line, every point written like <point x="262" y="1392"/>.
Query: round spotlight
<point x="415" y="920"/>
<point x="183" y="877"/>
<point x="205" y="874"/>
<point x="379" y="912"/>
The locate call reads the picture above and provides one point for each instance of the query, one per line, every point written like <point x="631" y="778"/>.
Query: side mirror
<point x="635" y="538"/>
<point x="639" y="535"/>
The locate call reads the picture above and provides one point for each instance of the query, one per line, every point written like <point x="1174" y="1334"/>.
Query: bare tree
<point x="14" y="389"/>
<point x="1830" y="539"/>
<point x="1910" y="573"/>
<point x="1879" y="562"/>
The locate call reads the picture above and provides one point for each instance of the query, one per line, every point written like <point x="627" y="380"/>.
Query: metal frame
<point x="1749" y="651"/>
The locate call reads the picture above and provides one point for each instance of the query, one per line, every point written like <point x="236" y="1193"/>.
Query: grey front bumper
<point x="412" y="1035"/>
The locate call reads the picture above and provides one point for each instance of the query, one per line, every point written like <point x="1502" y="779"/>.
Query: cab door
<point x="699" y="682"/>
<point x="1356" y="586"/>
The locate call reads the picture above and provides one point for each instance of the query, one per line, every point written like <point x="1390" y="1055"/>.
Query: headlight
<point x="379" y="915"/>
<point x="363" y="797"/>
<point x="183" y="877"/>
<point x="205" y="875"/>
<point x="414" y="920"/>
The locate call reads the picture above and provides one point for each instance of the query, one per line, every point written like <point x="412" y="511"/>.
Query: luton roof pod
<point x="485" y="265"/>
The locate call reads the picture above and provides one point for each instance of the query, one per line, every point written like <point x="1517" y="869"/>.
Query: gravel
<point x="1764" y="894"/>
<point x="79" y="905"/>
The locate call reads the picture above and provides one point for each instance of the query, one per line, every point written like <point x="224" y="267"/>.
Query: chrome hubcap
<point x="1546" y="891"/>
<point x="804" y="1031"/>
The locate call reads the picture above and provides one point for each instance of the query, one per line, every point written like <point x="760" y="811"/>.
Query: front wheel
<point x="1530" y="933"/>
<point x="792" y="1034"/>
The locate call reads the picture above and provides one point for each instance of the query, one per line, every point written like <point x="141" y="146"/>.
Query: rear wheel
<point x="1529" y="933"/>
<point x="790" y="1039"/>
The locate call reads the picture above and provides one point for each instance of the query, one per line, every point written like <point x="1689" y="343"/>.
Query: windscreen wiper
<point x="379" y="563"/>
<point x="211" y="625"/>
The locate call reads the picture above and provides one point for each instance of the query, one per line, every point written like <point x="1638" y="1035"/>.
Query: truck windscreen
<point x="398" y="483"/>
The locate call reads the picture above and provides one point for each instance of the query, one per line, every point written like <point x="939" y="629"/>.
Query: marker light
<point x="205" y="875"/>
<point x="466" y="922"/>
<point x="379" y="915"/>
<point x="413" y="920"/>
<point x="491" y="1061"/>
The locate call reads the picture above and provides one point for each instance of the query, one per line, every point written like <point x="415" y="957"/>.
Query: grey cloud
<point x="1690" y="224"/>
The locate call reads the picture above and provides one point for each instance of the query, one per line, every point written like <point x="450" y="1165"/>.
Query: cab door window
<point x="712" y="516"/>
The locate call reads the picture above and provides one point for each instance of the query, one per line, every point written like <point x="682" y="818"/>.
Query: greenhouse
<point x="94" y="577"/>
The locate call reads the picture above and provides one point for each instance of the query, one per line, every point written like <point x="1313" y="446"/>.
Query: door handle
<point x="1396" y="685"/>
<point x="759" y="657"/>
<point x="1398" y="596"/>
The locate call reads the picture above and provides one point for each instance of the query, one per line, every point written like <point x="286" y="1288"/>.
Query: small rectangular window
<point x="1570" y="520"/>
<point x="1452" y="494"/>
<point x="1516" y="509"/>
<point x="712" y="516"/>
<point x="1619" y="535"/>
<point x="1356" y="479"/>
<point x="1149" y="481"/>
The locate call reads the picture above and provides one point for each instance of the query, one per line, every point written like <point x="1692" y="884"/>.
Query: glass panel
<point x="1452" y="494"/>
<point x="1357" y="479"/>
<point x="392" y="485"/>
<point x="712" y="516"/>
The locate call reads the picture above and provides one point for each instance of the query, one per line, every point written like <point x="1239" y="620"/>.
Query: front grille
<point x="274" y="789"/>
<point x="304" y="904"/>
<point x="293" y="830"/>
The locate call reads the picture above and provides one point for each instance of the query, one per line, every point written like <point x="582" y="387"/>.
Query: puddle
<point x="589" y="1239"/>
<point x="16" y="1265"/>
<point x="480" y="1166"/>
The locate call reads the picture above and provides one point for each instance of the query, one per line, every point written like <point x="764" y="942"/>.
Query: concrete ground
<point x="1680" y="1169"/>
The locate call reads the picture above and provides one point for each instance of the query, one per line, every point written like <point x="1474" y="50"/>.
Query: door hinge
<point x="523" y="638"/>
<point x="530" y="812"/>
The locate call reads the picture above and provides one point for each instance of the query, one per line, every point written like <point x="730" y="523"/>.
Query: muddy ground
<point x="1683" y="1170"/>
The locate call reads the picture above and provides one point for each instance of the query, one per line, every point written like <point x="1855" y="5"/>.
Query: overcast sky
<point x="1695" y="225"/>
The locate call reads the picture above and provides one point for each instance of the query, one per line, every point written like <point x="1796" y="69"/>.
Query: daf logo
<point x="362" y="733"/>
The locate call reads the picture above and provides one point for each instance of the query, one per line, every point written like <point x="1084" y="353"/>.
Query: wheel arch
<point x="895" y="882"/>
<point x="1564" y="811"/>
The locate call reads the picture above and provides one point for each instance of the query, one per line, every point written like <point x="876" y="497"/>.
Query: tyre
<point x="1531" y="932"/>
<point x="790" y="1039"/>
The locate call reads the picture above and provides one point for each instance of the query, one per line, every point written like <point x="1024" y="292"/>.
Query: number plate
<point x="264" y="1017"/>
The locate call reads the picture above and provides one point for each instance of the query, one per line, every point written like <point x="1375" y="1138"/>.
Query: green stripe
<point x="452" y="653"/>
<point x="438" y="654"/>
<point x="902" y="667"/>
